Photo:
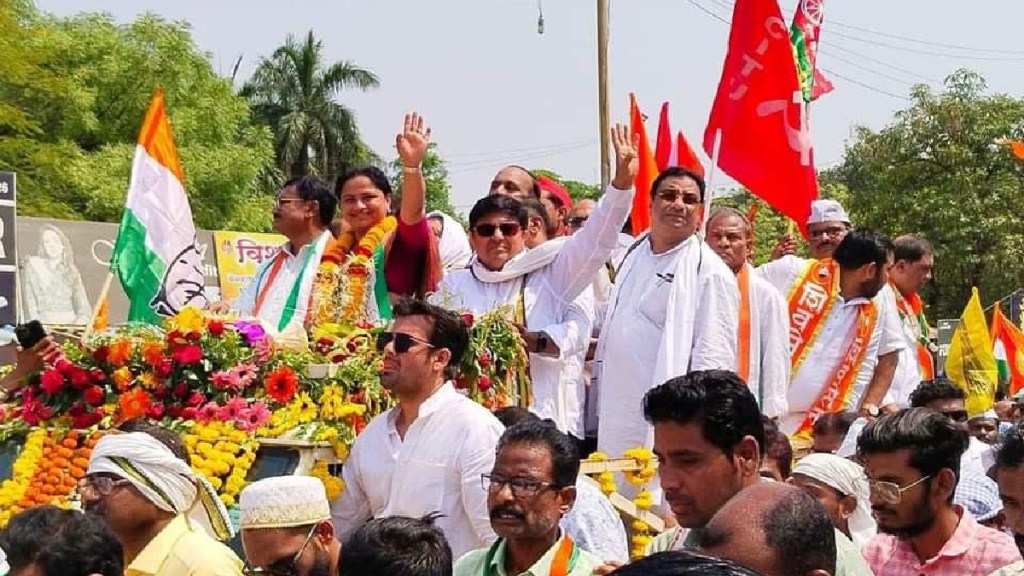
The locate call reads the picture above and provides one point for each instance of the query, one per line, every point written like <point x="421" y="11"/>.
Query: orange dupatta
<point x="911" y="306"/>
<point x="743" y="346"/>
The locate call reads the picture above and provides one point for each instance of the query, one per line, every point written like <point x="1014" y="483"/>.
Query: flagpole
<point x="99" y="306"/>
<point x="604" y="115"/>
<point x="709" y="191"/>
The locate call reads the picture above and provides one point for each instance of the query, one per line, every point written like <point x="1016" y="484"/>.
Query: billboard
<point x="239" y="254"/>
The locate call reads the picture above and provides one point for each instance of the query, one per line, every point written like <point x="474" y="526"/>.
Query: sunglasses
<point x="403" y="342"/>
<point x="280" y="568"/>
<point x="488" y="230"/>
<point x="958" y="416"/>
<point x="576" y="221"/>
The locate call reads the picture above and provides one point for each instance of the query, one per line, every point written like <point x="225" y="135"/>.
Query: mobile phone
<point x="29" y="334"/>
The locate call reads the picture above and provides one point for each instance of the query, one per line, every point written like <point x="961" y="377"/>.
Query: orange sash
<point x="743" y="348"/>
<point x="912" y="307"/>
<point x="810" y="302"/>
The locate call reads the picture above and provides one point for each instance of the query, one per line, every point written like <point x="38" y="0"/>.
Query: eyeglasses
<point x="891" y="492"/>
<point x="520" y="487"/>
<point x="670" y="197"/>
<point x="488" y="230"/>
<point x="403" y="342"/>
<point x="958" y="416"/>
<point x="276" y="569"/>
<point x="576" y="221"/>
<point x="279" y="202"/>
<point x="101" y="485"/>
<point x="832" y="232"/>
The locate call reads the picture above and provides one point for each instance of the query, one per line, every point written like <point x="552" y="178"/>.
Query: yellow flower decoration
<point x="605" y="479"/>
<point x="645" y="458"/>
<point x="332" y="484"/>
<point x="223" y="455"/>
<point x="190" y="319"/>
<point x="24" y="468"/>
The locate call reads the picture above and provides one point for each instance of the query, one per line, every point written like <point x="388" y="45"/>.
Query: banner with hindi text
<point x="239" y="254"/>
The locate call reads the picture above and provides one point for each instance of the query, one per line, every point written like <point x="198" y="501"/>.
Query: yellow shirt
<point x="180" y="550"/>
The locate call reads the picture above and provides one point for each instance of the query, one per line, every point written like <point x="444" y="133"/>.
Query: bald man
<point x="515" y="181"/>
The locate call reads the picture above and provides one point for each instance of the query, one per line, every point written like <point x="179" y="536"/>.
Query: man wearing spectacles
<point x="530" y="488"/>
<point x="286" y="528"/>
<point x="911" y="459"/>
<point x="540" y="285"/>
<point x="427" y="453"/>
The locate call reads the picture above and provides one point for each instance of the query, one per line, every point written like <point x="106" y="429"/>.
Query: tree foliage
<point x="938" y="171"/>
<point x="577" y="190"/>
<point x="435" y="173"/>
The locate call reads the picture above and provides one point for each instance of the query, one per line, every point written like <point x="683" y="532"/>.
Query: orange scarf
<point x="743" y="347"/>
<point x="911" y="306"/>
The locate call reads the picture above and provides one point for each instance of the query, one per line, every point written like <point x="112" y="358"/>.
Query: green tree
<point x="435" y="173"/>
<point x="577" y="190"/>
<point x="294" y="93"/>
<point x="938" y="171"/>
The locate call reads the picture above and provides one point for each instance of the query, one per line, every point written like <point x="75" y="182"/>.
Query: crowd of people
<point x="794" y="410"/>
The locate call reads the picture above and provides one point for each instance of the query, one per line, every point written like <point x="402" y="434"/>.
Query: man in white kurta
<point x="762" y="341"/>
<point x="425" y="455"/>
<point x="674" y="308"/>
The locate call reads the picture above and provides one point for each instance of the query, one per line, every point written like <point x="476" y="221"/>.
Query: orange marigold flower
<point x="122" y="378"/>
<point x="153" y="352"/>
<point x="281" y="384"/>
<point x="120" y="352"/>
<point x="134" y="404"/>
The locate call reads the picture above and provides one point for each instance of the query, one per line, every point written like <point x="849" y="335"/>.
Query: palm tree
<point x="294" y="92"/>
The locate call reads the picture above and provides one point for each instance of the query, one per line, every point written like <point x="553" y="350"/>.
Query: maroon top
<point x="406" y="261"/>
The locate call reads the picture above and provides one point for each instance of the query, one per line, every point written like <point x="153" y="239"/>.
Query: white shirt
<point x="908" y="371"/>
<point x="559" y="301"/>
<point x="769" y="347"/>
<point x="436" y="468"/>
<point x="595" y="525"/>
<point x="278" y="291"/>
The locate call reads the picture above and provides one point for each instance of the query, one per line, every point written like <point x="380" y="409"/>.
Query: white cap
<point x="827" y="211"/>
<point x="283" y="502"/>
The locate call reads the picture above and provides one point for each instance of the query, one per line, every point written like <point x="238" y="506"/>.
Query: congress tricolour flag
<point x="156" y="255"/>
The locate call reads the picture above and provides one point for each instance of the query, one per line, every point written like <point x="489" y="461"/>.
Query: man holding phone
<point x="34" y="348"/>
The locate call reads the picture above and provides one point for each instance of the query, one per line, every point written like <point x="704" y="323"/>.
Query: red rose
<point x="98" y="375"/>
<point x="156" y="411"/>
<point x="94" y="395"/>
<point x="216" y="328"/>
<point x="460" y="383"/>
<point x="77" y="409"/>
<point x="468" y="319"/>
<point x="87" y="420"/>
<point x="484" y="359"/>
<point x="188" y="354"/>
<point x="175" y="337"/>
<point x="189" y="413"/>
<point x="196" y="399"/>
<point x="52" y="382"/>
<point x="160" y="392"/>
<point x="164" y="368"/>
<point x="484" y="383"/>
<point x="174" y="410"/>
<point x="80" y="379"/>
<point x="63" y="366"/>
<point x="193" y="336"/>
<point x="181" y="390"/>
<point x="101" y="354"/>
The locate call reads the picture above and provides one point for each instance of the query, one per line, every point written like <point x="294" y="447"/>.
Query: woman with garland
<point x="380" y="255"/>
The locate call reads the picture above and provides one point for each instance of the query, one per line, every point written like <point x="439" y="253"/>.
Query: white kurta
<point x="769" y="346"/>
<point x="436" y="468"/>
<point x="644" y="324"/>
<point x="558" y="301"/>
<point x="908" y="371"/>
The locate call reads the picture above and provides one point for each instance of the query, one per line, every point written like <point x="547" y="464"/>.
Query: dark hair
<point x="683" y="563"/>
<point x="375" y="175"/>
<point x="534" y="208"/>
<point x="501" y="204"/>
<point x="934" y="441"/>
<point x="777" y="447"/>
<point x="565" y="457"/>
<point x="61" y="543"/>
<point x="397" y="546"/>
<point x="800" y="533"/>
<point x="718" y="400"/>
<point x="166" y="437"/>
<point x="313" y="189"/>
<point x="678" y="172"/>
<point x="861" y="247"/>
<point x="837" y="423"/>
<point x="448" y="331"/>
<point x="1010" y="453"/>
<point x="509" y="416"/>
<point x="535" y="188"/>
<point x="911" y="248"/>
<point x="937" y="389"/>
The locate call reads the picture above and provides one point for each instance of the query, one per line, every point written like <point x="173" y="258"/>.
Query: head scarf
<point x="163" y="478"/>
<point x="980" y="495"/>
<point x="848" y="478"/>
<point x="454" y="244"/>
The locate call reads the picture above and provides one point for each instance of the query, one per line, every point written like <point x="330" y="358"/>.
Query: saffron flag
<point x="765" y="143"/>
<point x="970" y="362"/>
<point x="663" y="144"/>
<point x="804" y="34"/>
<point x="102" y="320"/>
<point x="1008" y="348"/>
<point x="684" y="156"/>
<point x="156" y="254"/>
<point x="640" y="217"/>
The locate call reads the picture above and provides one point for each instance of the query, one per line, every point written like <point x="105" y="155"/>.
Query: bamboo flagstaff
<point x="104" y="294"/>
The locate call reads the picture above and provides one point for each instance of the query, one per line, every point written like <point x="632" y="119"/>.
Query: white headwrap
<point x="848" y="478"/>
<point x="163" y="478"/>
<point x="453" y="246"/>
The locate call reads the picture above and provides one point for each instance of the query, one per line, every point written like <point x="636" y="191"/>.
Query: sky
<point x="496" y="92"/>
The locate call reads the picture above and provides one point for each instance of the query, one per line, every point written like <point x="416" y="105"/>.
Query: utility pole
<point x="602" y="90"/>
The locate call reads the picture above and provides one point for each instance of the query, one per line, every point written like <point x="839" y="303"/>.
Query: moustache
<point x="506" y="512"/>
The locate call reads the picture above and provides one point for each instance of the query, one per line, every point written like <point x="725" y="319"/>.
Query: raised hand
<point x="412" y="143"/>
<point x="784" y="247"/>
<point x="627" y="160"/>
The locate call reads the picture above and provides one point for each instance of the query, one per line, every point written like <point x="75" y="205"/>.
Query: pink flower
<point x="233" y="408"/>
<point x="196" y="399"/>
<point x="226" y="380"/>
<point x="189" y="413"/>
<point x="34" y="412"/>
<point x="246" y="374"/>
<point x="253" y="417"/>
<point x="208" y="413"/>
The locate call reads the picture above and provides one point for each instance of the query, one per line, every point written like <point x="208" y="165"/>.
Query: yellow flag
<point x="970" y="362"/>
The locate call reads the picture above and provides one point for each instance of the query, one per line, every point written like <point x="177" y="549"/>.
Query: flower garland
<point x="333" y="485"/>
<point x="63" y="462"/>
<point x="644" y="500"/>
<point x="348" y="281"/>
<point x="607" y="478"/>
<point x="12" y="491"/>
<point x="645" y="458"/>
<point x="223" y="454"/>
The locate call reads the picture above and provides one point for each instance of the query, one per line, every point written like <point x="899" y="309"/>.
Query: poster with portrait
<point x="239" y="254"/>
<point x="8" y="249"/>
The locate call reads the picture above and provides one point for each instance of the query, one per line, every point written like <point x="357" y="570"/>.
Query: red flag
<point x="663" y="145"/>
<point x="685" y="157"/>
<point x="641" y="214"/>
<point x="765" y="145"/>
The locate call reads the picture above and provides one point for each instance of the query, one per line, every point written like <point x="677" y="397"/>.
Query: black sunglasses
<point x="403" y="342"/>
<point x="488" y="230"/>
<point x="958" y="416"/>
<point x="576" y="221"/>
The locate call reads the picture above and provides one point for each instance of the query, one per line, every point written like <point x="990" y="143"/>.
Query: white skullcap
<point x="848" y="478"/>
<point x="283" y="502"/>
<point x="827" y="211"/>
<point x="989" y="414"/>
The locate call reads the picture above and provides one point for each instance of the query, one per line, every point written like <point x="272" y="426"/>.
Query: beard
<point x="923" y="519"/>
<point x="321" y="564"/>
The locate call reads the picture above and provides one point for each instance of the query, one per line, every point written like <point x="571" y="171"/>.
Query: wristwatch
<point x="542" y="343"/>
<point x="870" y="410"/>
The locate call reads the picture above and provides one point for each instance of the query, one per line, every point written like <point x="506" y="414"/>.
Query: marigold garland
<point x="645" y="458"/>
<point x="333" y="485"/>
<point x="359" y="264"/>
<point x="13" y="490"/>
<point x="223" y="454"/>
